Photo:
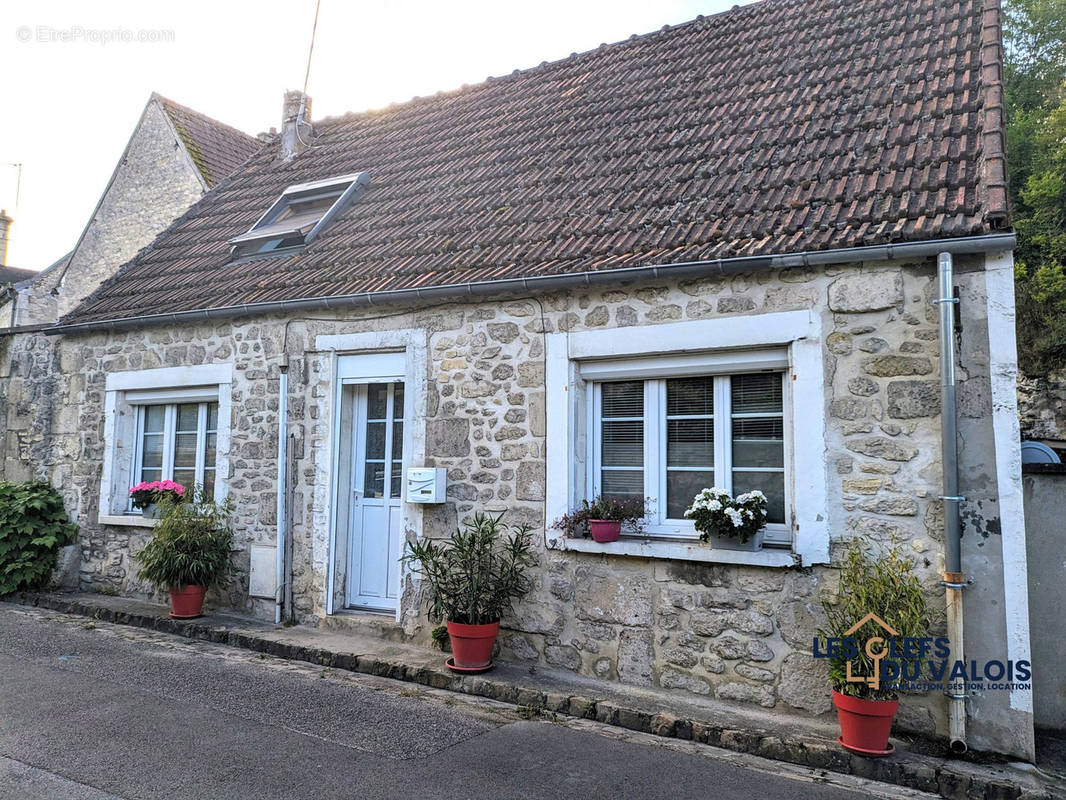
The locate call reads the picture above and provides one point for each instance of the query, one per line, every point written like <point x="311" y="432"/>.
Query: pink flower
<point x="159" y="486"/>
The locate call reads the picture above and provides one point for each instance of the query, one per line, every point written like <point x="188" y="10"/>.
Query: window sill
<point x="127" y="520"/>
<point x="677" y="551"/>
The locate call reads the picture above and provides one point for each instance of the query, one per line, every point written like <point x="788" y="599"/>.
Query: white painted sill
<point x="677" y="551"/>
<point x="127" y="520"/>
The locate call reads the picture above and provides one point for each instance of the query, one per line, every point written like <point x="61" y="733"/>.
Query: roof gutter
<point x="996" y="242"/>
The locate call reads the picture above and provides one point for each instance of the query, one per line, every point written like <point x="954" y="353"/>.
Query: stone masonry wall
<point x="152" y="186"/>
<point x="701" y="630"/>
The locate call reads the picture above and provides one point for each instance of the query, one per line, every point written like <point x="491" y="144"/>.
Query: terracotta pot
<point x="865" y="724"/>
<point x="605" y="530"/>
<point x="472" y="644"/>
<point x="187" y="602"/>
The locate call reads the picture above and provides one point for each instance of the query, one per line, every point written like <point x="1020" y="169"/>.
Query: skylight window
<point x="298" y="216"/>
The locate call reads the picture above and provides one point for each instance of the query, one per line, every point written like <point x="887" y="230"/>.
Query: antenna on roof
<point x="311" y="49"/>
<point x="18" y="183"/>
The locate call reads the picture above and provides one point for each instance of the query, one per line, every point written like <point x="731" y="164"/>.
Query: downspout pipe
<point x="954" y="580"/>
<point x="283" y="486"/>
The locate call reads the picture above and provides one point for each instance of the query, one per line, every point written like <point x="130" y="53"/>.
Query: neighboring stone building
<point x="174" y="155"/>
<point x="705" y="255"/>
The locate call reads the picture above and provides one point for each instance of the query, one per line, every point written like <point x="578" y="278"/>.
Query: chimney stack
<point x="5" y="236"/>
<point x="295" y="125"/>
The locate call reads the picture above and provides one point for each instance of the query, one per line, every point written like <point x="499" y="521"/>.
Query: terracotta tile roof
<point x="778" y="127"/>
<point x="216" y="149"/>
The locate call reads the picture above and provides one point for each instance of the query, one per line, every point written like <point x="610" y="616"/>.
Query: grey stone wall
<point x="737" y="633"/>
<point x="1042" y="407"/>
<point x="152" y="185"/>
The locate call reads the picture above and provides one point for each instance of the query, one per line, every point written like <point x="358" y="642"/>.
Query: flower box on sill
<point x="753" y="544"/>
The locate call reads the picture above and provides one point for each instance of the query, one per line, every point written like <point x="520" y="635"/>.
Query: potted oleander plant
<point x="188" y="551"/>
<point x="471" y="580"/>
<point x="727" y="521"/>
<point x="603" y="518"/>
<point x="147" y="495"/>
<point x="872" y="584"/>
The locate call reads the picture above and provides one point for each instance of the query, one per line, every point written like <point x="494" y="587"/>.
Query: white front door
<point x="375" y="510"/>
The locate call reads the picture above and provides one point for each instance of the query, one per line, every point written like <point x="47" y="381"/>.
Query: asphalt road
<point x="96" y="712"/>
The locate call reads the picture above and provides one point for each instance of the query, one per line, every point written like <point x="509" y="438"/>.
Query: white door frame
<point x="357" y="480"/>
<point x="412" y="344"/>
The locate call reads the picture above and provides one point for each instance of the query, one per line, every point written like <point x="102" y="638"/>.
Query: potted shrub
<point x="147" y="495"/>
<point x="603" y="518"/>
<point x="879" y="597"/>
<point x="470" y="581"/>
<point x="188" y="552"/>
<point x="729" y="522"/>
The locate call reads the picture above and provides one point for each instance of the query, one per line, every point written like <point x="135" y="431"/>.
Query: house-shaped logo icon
<point x="876" y="654"/>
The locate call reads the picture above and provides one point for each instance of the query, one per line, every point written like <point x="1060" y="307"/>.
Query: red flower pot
<point x="865" y="724"/>
<point x="605" y="530"/>
<point x="472" y="644"/>
<point x="187" y="602"/>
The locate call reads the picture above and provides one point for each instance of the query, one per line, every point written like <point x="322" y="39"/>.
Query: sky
<point x="77" y="74"/>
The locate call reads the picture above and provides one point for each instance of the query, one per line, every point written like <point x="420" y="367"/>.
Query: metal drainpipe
<point x="954" y="581"/>
<point x="283" y="457"/>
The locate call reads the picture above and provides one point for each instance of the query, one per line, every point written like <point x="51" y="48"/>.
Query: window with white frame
<point x="667" y="437"/>
<point x="169" y="423"/>
<point x="178" y="442"/>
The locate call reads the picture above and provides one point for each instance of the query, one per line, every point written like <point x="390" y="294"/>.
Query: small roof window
<point x="299" y="214"/>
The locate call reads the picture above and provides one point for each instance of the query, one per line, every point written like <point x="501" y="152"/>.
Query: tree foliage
<point x="33" y="526"/>
<point x="1034" y="36"/>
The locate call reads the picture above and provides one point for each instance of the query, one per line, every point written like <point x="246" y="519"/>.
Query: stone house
<point x="173" y="156"/>
<point x="704" y="255"/>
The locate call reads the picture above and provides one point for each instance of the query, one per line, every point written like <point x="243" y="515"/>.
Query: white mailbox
<point x="426" y="484"/>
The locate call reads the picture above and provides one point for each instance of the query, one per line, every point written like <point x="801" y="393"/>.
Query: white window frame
<point x="125" y="395"/>
<point x="655" y="421"/>
<point x="169" y="433"/>
<point x="692" y="345"/>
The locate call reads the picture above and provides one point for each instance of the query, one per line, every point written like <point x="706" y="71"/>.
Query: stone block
<point x="604" y="595"/>
<point x="805" y="683"/>
<point x="892" y="366"/>
<point x="861" y="292"/>
<point x="672" y="679"/>
<point x="636" y="657"/>
<point x="448" y="438"/>
<point x="880" y="447"/>
<point x="913" y="399"/>
<point x="530" y="481"/>
<point x="745" y="692"/>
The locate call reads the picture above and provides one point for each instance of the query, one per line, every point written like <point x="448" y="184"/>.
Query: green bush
<point x="474" y="576"/>
<point x="33" y="526"/>
<point x="883" y="583"/>
<point x="190" y="544"/>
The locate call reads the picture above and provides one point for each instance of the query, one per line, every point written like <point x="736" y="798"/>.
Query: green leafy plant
<point x="630" y="511"/>
<point x="33" y="526"/>
<point x="883" y="584"/>
<point x="474" y="576"/>
<point x="440" y="636"/>
<point x="190" y="544"/>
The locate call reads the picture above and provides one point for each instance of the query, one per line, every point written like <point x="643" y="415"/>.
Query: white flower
<point x="748" y="514"/>
<point x="734" y="515"/>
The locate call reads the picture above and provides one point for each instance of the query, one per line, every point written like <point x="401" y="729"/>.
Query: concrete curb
<point x="954" y="780"/>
